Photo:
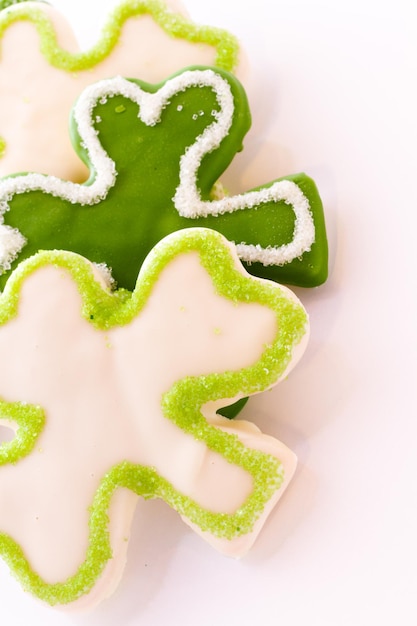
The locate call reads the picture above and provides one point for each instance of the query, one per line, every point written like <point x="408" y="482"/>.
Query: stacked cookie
<point x="127" y="312"/>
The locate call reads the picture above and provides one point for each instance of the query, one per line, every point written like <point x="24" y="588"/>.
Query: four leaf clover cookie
<point x="42" y="72"/>
<point x="131" y="408"/>
<point x="154" y="153"/>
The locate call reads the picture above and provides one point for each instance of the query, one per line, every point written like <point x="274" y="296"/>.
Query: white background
<point x="332" y="87"/>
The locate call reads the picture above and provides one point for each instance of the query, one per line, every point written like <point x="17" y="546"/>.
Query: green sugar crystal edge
<point x="225" y="44"/>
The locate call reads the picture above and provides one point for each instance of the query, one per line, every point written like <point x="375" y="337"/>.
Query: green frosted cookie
<point x="155" y="153"/>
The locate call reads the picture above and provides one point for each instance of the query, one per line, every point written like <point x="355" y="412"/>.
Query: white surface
<point x="333" y="93"/>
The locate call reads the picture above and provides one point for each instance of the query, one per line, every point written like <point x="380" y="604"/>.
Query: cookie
<point x="42" y="72"/>
<point x="131" y="409"/>
<point x="154" y="153"/>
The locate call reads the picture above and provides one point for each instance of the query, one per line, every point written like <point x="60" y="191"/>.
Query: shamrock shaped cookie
<point x="154" y="153"/>
<point x="42" y="72"/>
<point x="114" y="395"/>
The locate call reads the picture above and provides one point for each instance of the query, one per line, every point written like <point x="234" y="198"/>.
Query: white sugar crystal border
<point x="187" y="199"/>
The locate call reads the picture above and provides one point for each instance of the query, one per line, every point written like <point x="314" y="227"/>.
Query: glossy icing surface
<point x="150" y="369"/>
<point x="154" y="153"/>
<point x="42" y="72"/>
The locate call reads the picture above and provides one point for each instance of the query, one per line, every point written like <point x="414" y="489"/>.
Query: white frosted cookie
<point x="43" y="71"/>
<point x="114" y="395"/>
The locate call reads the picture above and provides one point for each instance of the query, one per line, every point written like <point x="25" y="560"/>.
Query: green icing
<point x="3" y="146"/>
<point x="226" y="45"/>
<point x="29" y="420"/>
<point x="181" y="404"/>
<point x="7" y="3"/>
<point x="138" y="211"/>
<point x="233" y="409"/>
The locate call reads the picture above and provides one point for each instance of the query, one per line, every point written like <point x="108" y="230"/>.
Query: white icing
<point x="187" y="198"/>
<point x="101" y="391"/>
<point x="36" y="98"/>
<point x="11" y="243"/>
